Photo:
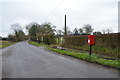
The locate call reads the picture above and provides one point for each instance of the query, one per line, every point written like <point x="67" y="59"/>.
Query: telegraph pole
<point x="65" y="27"/>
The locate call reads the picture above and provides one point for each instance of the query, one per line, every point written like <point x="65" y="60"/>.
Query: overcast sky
<point x="101" y="14"/>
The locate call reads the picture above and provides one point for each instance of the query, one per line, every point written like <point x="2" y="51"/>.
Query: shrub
<point x="33" y="38"/>
<point x="49" y="39"/>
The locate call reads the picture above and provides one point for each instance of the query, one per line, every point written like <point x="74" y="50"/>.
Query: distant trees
<point x="96" y="32"/>
<point x="107" y="31"/>
<point x="48" y="28"/>
<point x="41" y="33"/>
<point x="75" y="31"/>
<point x="103" y="31"/>
<point x="88" y="29"/>
<point x="18" y="35"/>
<point x="46" y="32"/>
<point x="12" y="37"/>
<point x="16" y="28"/>
<point x="80" y="30"/>
<point x="21" y="35"/>
<point x="59" y="32"/>
<point x="33" y="29"/>
<point x="69" y="32"/>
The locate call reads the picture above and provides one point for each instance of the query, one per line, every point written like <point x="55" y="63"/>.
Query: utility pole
<point x="65" y="27"/>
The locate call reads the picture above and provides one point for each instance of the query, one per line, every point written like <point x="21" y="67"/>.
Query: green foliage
<point x="33" y="30"/>
<point x="45" y="31"/>
<point x="33" y="38"/>
<point x="21" y="36"/>
<point x="48" y="28"/>
<point x="90" y="58"/>
<point x="49" y="39"/>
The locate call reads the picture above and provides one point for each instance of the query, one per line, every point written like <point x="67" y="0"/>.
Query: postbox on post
<point x="91" y="41"/>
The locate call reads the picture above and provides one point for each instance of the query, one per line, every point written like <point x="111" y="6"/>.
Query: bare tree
<point x="109" y="30"/>
<point x="59" y="32"/>
<point x="69" y="32"/>
<point x="103" y="31"/>
<point x="80" y="30"/>
<point x="88" y="29"/>
<point x="75" y="31"/>
<point x="16" y="28"/>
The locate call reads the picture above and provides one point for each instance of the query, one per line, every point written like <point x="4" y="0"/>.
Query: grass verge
<point x="83" y="56"/>
<point x="106" y="51"/>
<point x="4" y="44"/>
<point x="36" y="43"/>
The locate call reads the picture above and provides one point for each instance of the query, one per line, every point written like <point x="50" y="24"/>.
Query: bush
<point x="12" y="38"/>
<point x="33" y="38"/>
<point x="49" y="39"/>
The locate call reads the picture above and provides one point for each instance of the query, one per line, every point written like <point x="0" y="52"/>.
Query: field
<point x="5" y="43"/>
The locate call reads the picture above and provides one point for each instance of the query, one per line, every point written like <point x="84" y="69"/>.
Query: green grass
<point x="36" y="43"/>
<point x="4" y="44"/>
<point x="94" y="58"/>
<point x="106" y="51"/>
<point x="90" y="58"/>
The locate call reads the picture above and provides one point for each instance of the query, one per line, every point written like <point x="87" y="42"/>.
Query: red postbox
<point x="91" y="39"/>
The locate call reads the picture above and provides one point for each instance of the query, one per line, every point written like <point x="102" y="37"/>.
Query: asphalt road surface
<point x="23" y="60"/>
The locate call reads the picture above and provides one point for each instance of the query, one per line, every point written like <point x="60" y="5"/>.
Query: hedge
<point x="105" y="44"/>
<point x="107" y="40"/>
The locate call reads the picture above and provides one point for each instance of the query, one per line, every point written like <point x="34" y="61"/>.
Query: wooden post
<point x="90" y="49"/>
<point x="65" y="27"/>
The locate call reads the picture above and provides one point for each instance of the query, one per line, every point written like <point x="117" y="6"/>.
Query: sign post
<point x="91" y="42"/>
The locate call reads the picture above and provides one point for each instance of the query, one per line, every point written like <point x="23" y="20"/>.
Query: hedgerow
<point x="105" y="44"/>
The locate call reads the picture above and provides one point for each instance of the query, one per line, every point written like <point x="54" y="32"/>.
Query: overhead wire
<point x="53" y="10"/>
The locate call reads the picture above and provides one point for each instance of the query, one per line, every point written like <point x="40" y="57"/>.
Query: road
<point x="23" y="60"/>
